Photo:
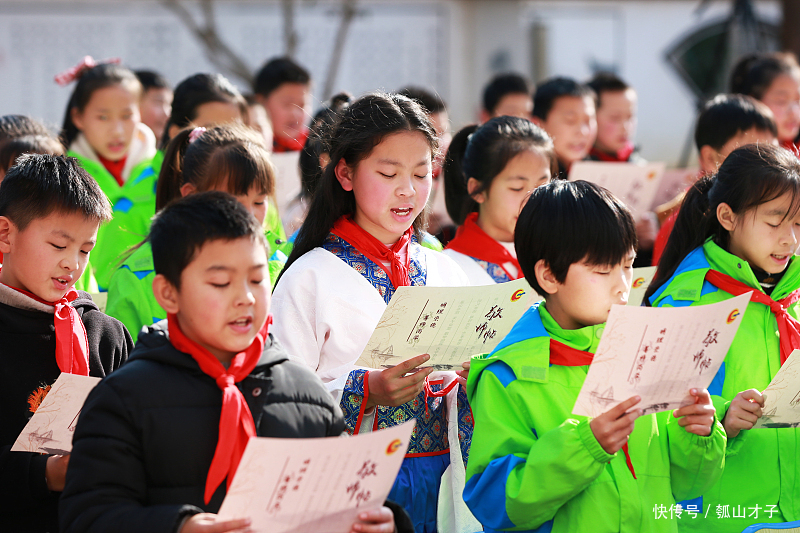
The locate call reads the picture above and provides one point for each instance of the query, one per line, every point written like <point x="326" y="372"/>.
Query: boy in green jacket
<point x="534" y="466"/>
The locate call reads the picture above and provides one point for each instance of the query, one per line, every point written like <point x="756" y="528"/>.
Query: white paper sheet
<point x="659" y="354"/>
<point x="51" y="427"/>
<point x="642" y="278"/>
<point x="287" y="182"/>
<point x="636" y="185"/>
<point x="782" y="397"/>
<point x="315" y="485"/>
<point x="450" y="323"/>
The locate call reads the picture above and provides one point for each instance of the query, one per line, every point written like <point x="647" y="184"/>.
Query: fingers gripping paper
<point x="450" y="323"/>
<point x="319" y="485"/>
<point x="659" y="354"/>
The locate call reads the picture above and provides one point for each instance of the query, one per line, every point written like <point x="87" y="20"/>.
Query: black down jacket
<point x="147" y="434"/>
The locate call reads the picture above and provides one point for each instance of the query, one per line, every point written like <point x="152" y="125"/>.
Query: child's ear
<point x="485" y="116"/>
<point x="7" y="233"/>
<point x="539" y="122"/>
<point x="187" y="189"/>
<point x="166" y="294"/>
<point x="77" y="118"/>
<point x="472" y="186"/>
<point x="344" y="174"/>
<point x="545" y="277"/>
<point x="726" y="216"/>
<point x="709" y="159"/>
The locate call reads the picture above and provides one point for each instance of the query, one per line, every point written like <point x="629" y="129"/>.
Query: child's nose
<point x="406" y="186"/>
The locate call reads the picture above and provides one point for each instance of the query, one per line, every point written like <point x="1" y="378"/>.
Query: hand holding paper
<point x="659" y="354"/>
<point x="781" y="399"/>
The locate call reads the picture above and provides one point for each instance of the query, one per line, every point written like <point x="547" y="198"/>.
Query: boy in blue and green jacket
<point x="534" y="466"/>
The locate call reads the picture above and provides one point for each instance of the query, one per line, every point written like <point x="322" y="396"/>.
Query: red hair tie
<point x="70" y="75"/>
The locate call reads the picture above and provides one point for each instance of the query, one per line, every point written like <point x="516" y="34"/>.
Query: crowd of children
<point x="221" y="325"/>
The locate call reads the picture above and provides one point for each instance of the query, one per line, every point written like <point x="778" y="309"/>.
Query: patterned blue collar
<point x="494" y="270"/>
<point x="417" y="268"/>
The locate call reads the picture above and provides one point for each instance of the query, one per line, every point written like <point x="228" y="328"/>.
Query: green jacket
<point x="765" y="462"/>
<point x="87" y="281"/>
<point x="104" y="178"/>
<point x="130" y="293"/>
<point x="133" y="212"/>
<point x="534" y="465"/>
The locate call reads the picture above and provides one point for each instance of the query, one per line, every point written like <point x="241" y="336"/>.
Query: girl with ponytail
<point x="489" y="171"/>
<point x="737" y="232"/>
<point x="230" y="159"/>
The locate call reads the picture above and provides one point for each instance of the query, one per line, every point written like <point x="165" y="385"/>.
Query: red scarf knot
<point x="373" y="249"/>
<point x="72" y="345"/>
<point x="788" y="326"/>
<point x="472" y="241"/>
<point x="236" y="424"/>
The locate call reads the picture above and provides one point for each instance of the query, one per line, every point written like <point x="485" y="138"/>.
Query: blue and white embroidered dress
<point x="325" y="307"/>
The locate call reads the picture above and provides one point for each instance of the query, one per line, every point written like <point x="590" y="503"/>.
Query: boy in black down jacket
<point x="50" y="211"/>
<point x="149" y="449"/>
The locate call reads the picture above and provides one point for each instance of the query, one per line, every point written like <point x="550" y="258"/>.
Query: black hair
<point x="727" y="115"/>
<point x="566" y="222"/>
<point x="750" y="176"/>
<point x="181" y="229"/>
<point x="92" y="79"/>
<point x="551" y="90"/>
<point x="152" y="80"/>
<point x="502" y="85"/>
<point x="431" y="101"/>
<point x="41" y="184"/>
<point x="361" y="127"/>
<point x="276" y="72"/>
<point x="318" y="143"/>
<point x="195" y="91"/>
<point x="13" y="126"/>
<point x="754" y="73"/>
<point x="606" y="82"/>
<point x="482" y="152"/>
<point x="27" y="144"/>
<point x="231" y="154"/>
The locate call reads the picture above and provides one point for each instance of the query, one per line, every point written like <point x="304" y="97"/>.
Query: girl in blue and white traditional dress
<point x="357" y="245"/>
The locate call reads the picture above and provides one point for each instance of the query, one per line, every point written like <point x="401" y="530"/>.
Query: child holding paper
<point x="50" y="210"/>
<point x="357" y="245"/>
<point x="737" y="232"/>
<point x="535" y="465"/>
<point x="490" y="170"/>
<point x="155" y="445"/>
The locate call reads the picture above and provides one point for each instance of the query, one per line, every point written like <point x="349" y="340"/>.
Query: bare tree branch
<point x="290" y="38"/>
<point x="349" y="12"/>
<point x="218" y="52"/>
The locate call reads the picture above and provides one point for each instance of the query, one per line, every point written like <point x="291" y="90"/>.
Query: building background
<point x="450" y="46"/>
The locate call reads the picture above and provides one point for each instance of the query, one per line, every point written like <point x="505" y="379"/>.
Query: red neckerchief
<point x="114" y="168"/>
<point x="236" y="424"/>
<point x="72" y="345"/>
<point x="788" y="327"/>
<point x="375" y="250"/>
<point x="471" y="240"/>
<point x="622" y="155"/>
<point x="281" y="144"/>
<point x="791" y="146"/>
<point x="563" y="355"/>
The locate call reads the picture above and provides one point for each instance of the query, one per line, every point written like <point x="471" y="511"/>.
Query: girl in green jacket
<point x="737" y="232"/>
<point x="229" y="158"/>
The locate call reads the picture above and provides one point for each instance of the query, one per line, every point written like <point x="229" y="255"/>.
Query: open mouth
<point x="242" y="324"/>
<point x="402" y="212"/>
